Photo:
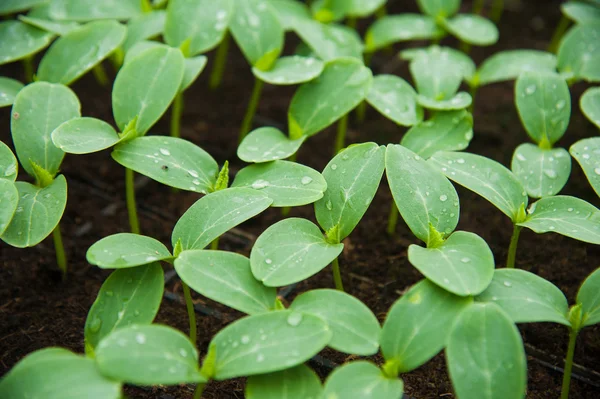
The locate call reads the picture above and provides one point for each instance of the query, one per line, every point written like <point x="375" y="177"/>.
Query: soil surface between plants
<point x="38" y="310"/>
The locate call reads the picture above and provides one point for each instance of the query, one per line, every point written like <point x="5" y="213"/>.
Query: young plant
<point x="544" y="104"/>
<point x="326" y="11"/>
<point x="20" y="41"/>
<point x="395" y="99"/>
<point x="9" y="194"/>
<point x="37" y="110"/>
<point x="587" y="151"/>
<point x="566" y="215"/>
<point x="528" y="298"/>
<point x="579" y="54"/>
<point x="577" y="11"/>
<point x="392" y="29"/>
<point x="8" y="91"/>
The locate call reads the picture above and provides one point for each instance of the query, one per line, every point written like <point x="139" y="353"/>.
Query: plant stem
<point x="497" y="10"/>
<point x="512" y="249"/>
<point x="216" y="75"/>
<point x="340" y="138"/>
<point x="215" y="244"/>
<point x="199" y="390"/>
<point x="28" y="68"/>
<point x="59" y="248"/>
<point x="337" y="276"/>
<point x="465" y="47"/>
<point x="381" y="12"/>
<point x="478" y="6"/>
<point x="473" y="92"/>
<point x="569" y="364"/>
<point x="559" y="32"/>
<point x="176" y="111"/>
<point x="251" y="110"/>
<point x="392" y="219"/>
<point x="130" y="196"/>
<point x="351" y="22"/>
<point x="189" y="304"/>
<point x="100" y="74"/>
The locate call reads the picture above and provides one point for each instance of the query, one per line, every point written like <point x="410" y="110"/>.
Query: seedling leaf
<point x="299" y="382"/>
<point x="169" y="160"/>
<point x="590" y="105"/>
<point x="462" y="61"/>
<point x="8" y="163"/>
<point x="326" y="11"/>
<point x="90" y="10"/>
<point x="192" y="69"/>
<point x="19" y="40"/>
<point x="395" y="28"/>
<point x="436" y="9"/>
<point x="569" y="216"/>
<point x="459" y="101"/>
<point x="12" y="6"/>
<point x="587" y="153"/>
<point x="361" y="379"/>
<point x="580" y="12"/>
<point x="485" y="355"/>
<point x="225" y="277"/>
<point x="352" y="177"/>
<point x="75" y="53"/>
<point x="355" y="328"/>
<point x="394" y="98"/>
<point x="289" y="12"/>
<point x="526" y="297"/>
<point x="8" y="91"/>
<point x="286" y="183"/>
<point x="445" y="131"/>
<point x="579" y="53"/>
<point x="485" y="177"/>
<point x="291" y="70"/>
<point x="589" y="298"/>
<point x="508" y="65"/>
<point x="472" y="29"/>
<point x="41" y="21"/>
<point x="140" y="47"/>
<point x="343" y="84"/>
<point x="267" y="144"/>
<point x="9" y="199"/>
<point x="216" y="213"/>
<point x="58" y="373"/>
<point x="84" y="135"/>
<point x="543" y="172"/>
<point x="125" y="250"/>
<point x="37" y="214"/>
<point x="39" y="109"/>
<point x="204" y="22"/>
<point x="128" y="296"/>
<point x="148" y="355"/>
<point x="436" y="75"/>
<point x="145" y="26"/>
<point x="422" y="194"/>
<point x="145" y="86"/>
<point x="268" y="342"/>
<point x="331" y="41"/>
<point x="416" y="327"/>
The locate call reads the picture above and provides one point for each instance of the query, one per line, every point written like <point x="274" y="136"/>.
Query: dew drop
<point x="259" y="184"/>
<point x="151" y="258"/>
<point x="550" y="173"/>
<point x="193" y="173"/>
<point x="570" y="210"/>
<point x="597" y="171"/>
<point x="136" y="313"/>
<point x="333" y="166"/>
<point x="260" y="358"/>
<point x="294" y="319"/>
<point x="521" y="157"/>
<point x="245" y="339"/>
<point x="507" y="284"/>
<point x="95" y="325"/>
<point x="140" y="338"/>
<point x="183" y="352"/>
<point x="460" y="160"/>
<point x="560" y="105"/>
<point x="164" y="151"/>
<point x="109" y="293"/>
<point x="443" y="197"/>
<point x="306" y="180"/>
<point x="328" y="205"/>
<point x="530" y="89"/>
<point x="268" y="261"/>
<point x="465" y="260"/>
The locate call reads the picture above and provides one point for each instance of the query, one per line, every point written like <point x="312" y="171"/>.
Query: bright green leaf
<point x="459" y="101"/>
<point x="9" y="88"/>
<point x="13" y="6"/>
<point x="299" y="382"/>
<point x="587" y="153"/>
<point x="579" y="53"/>
<point x="394" y="98"/>
<point x="542" y="172"/>
<point x="580" y="12"/>
<point x="330" y="41"/>
<point x="84" y="135"/>
<point x="139" y="48"/>
<point x="225" y="277"/>
<point x="508" y="65"/>
<point x="590" y="105"/>
<point x="352" y="177"/>
<point x="128" y="296"/>
<point x="455" y="57"/>
<point x="90" y="10"/>
<point x="472" y="29"/>
<point x="404" y="27"/>
<point x="124" y="250"/>
<point x="363" y="8"/>
<point x="9" y="199"/>
<point x="289" y="12"/>
<point x="436" y="75"/>
<point x="145" y="26"/>
<point x="8" y="163"/>
<point x="436" y="8"/>
<point x="19" y="40"/>
<point x="193" y="67"/>
<point x="589" y="298"/>
<point x="266" y="144"/>
<point x="361" y="380"/>
<point x="44" y="23"/>
<point x="291" y="70"/>
<point x="326" y="11"/>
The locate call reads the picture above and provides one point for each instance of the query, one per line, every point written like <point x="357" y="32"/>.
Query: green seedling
<point x="579" y="54"/>
<point x="544" y="105"/>
<point x="297" y="382"/>
<point x="13" y="6"/>
<point x="21" y="41"/>
<point x="364" y="377"/>
<point x="38" y="108"/>
<point x="143" y="27"/>
<point x="142" y="91"/>
<point x="569" y="216"/>
<point x="395" y="99"/>
<point x="39" y="17"/>
<point x="459" y="262"/>
<point x="9" y="194"/>
<point x="528" y="298"/>
<point x="398" y="28"/>
<point x="577" y="11"/>
<point x="587" y="151"/>
<point x="329" y="41"/>
<point x="8" y="91"/>
<point x="327" y="11"/>
<point x="89" y="10"/>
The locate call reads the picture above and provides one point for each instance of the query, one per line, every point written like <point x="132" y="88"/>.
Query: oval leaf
<point x="460" y="101"/>
<point x="508" y="65"/>
<point x="352" y="177"/>
<point x="391" y="29"/>
<point x="587" y="153"/>
<point x="579" y="53"/>
<point x="19" y="40"/>
<point x="485" y="355"/>
<point x="12" y="6"/>
<point x="169" y="160"/>
<point x="8" y="91"/>
<point x="216" y="213"/>
<point x="9" y="199"/>
<point x="590" y="105"/>
<point x="589" y="298"/>
<point x="542" y="172"/>
<point x="437" y="8"/>
<point x="148" y="355"/>
<point x="124" y="250"/>
<point x="84" y="135"/>
<point x="225" y="277"/>
<point x="129" y="296"/>
<point x="41" y="22"/>
<point x="8" y="163"/>
<point x="437" y="76"/>
<point x="193" y="67"/>
<point x="290" y="12"/>
<point x="355" y="328"/>
<point x="299" y="382"/>
<point x="90" y="10"/>
<point x="329" y="41"/>
<point x="361" y="380"/>
<point x="291" y="70"/>
<point x="266" y="144"/>
<point x="145" y="26"/>
<point x="472" y="29"/>
<point x="394" y="98"/>
<point x="268" y="342"/>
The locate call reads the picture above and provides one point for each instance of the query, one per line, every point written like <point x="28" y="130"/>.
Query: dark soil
<point x="38" y="310"/>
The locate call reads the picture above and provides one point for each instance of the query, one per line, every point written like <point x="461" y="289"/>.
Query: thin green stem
<point x="351" y="22"/>
<point x="131" y="206"/>
<point x="216" y="76"/>
<point x="59" y="248"/>
<point x="189" y="304"/>
<point x="465" y="47"/>
<point x="392" y="219"/>
<point x="473" y="92"/>
<point x="559" y="32"/>
<point x="251" y="110"/>
<point x="497" y="10"/>
<point x="214" y="245"/>
<point x="199" y="390"/>
<point x="100" y="74"/>
<point x="478" y="6"/>
<point x="340" y="138"/>
<point x="381" y="12"/>
<point x="569" y="364"/>
<point x="176" y="112"/>
<point x="337" y="276"/>
<point x="512" y="249"/>
<point x="28" y="68"/>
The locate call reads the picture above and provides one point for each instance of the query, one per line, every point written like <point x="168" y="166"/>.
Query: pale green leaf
<point x="266" y="144"/>
<point x="417" y="325"/>
<point x="84" y="135"/>
<point x="90" y="10"/>
<point x="139" y="48"/>
<point x="8" y="7"/>
<point x="128" y="296"/>
<point x="9" y="88"/>
<point x="299" y="382"/>
<point x="589" y="298"/>
<point x="290" y="251"/>
<point x="541" y="172"/>
<point x="330" y="41"/>
<point x="394" y="98"/>
<point x="355" y="328"/>
<point x="485" y="355"/>
<point x="148" y="355"/>
<point x="39" y="17"/>
<point x="145" y="26"/>
<point x="268" y="342"/>
<point x="459" y="101"/>
<point x="327" y="11"/>
<point x="169" y="160"/>
<point x="437" y="8"/>
<point x="526" y="297"/>
<point x="289" y="12"/>
<point x="225" y="277"/>
<point x="216" y="213"/>
<point x="436" y="75"/>
<point x="485" y="177"/>
<point x="8" y="163"/>
<point x="422" y="194"/>
<point x="291" y="70"/>
<point x="363" y="8"/>
<point x="193" y="68"/>
<point x="361" y="380"/>
<point x="352" y="177"/>
<point x="9" y="199"/>
<point x="458" y="58"/>
<point x="37" y="214"/>
<point x="472" y="29"/>
<point x="587" y="153"/>
<point x="580" y="12"/>
<point x="579" y="53"/>
<point x="145" y="86"/>
<point x="509" y="64"/>
<point x="124" y="250"/>
<point x="404" y="27"/>
<point x="590" y="105"/>
<point x="19" y="40"/>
